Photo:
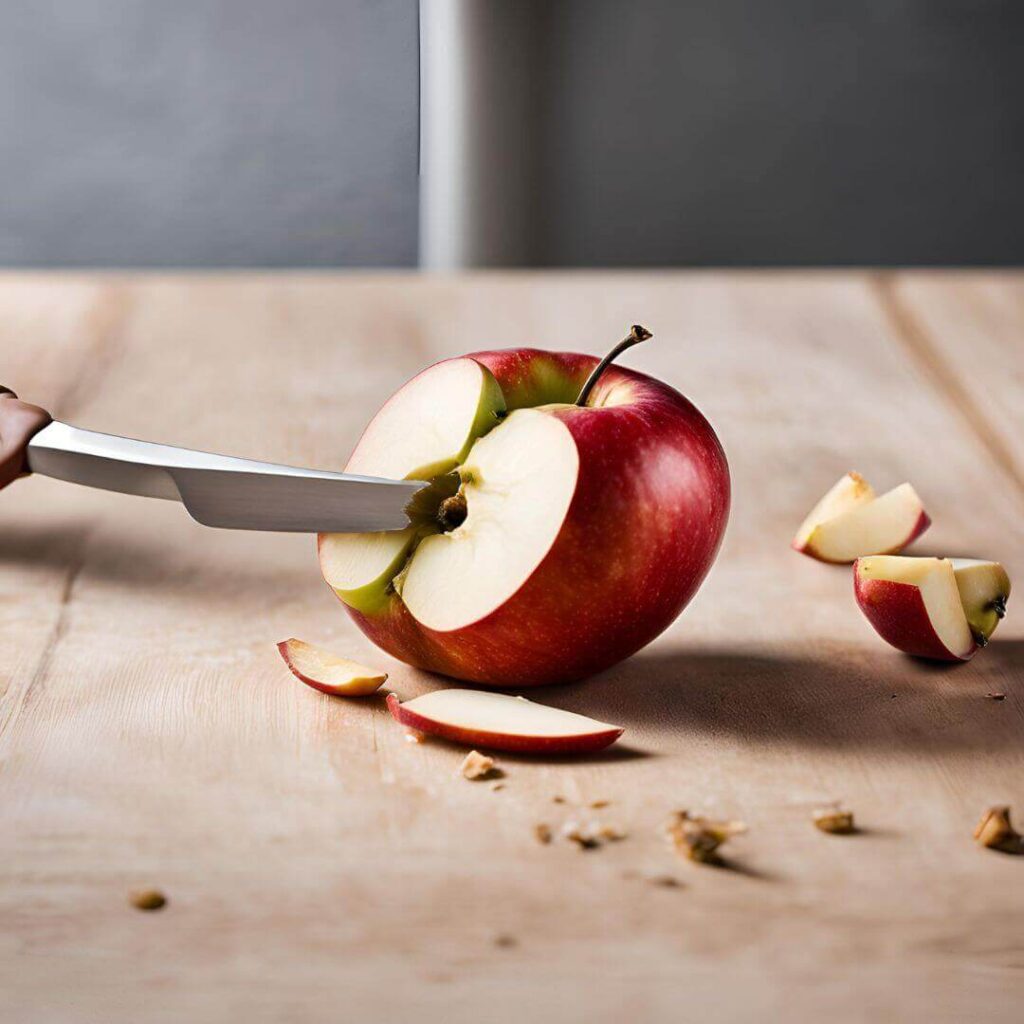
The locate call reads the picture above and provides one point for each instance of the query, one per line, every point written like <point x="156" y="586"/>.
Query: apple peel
<point x="497" y="721"/>
<point x="327" y="672"/>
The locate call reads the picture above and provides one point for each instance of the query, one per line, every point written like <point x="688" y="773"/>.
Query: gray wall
<point x="208" y="132"/>
<point x="284" y="132"/>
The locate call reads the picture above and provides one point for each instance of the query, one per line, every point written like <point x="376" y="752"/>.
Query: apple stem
<point x="635" y="336"/>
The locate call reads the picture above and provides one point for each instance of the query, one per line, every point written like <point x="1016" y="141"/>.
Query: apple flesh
<point x="984" y="590"/>
<point x="850" y="521"/>
<point x="497" y="721"/>
<point x="937" y="608"/>
<point x="328" y="672"/>
<point x="556" y="539"/>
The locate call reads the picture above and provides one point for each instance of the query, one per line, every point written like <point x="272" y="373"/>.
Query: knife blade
<point x="223" y="491"/>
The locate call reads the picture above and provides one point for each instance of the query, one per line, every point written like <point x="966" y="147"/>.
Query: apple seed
<point x="148" y="899"/>
<point x="834" y="821"/>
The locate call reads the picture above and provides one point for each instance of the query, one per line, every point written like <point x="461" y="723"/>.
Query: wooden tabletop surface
<point x="318" y="866"/>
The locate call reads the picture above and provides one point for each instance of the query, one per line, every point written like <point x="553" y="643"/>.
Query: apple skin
<point x="642" y="530"/>
<point x="898" y="614"/>
<point x="586" y="744"/>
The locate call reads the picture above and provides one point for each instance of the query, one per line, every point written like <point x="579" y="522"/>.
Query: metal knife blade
<point x="219" y="490"/>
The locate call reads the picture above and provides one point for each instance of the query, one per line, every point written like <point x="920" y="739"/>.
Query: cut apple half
<point x="984" y="590"/>
<point x="864" y="524"/>
<point x="914" y="604"/>
<point x="499" y="722"/>
<point x="328" y="672"/>
<point x="518" y="482"/>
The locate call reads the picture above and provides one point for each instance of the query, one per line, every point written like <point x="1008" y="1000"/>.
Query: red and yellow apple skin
<point x="643" y="527"/>
<point x="898" y="614"/>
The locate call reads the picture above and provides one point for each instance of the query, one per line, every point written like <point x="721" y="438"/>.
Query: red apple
<point x="558" y="538"/>
<point x="937" y="608"/>
<point x="500" y="722"/>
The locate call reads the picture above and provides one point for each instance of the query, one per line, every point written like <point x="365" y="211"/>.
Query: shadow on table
<point x="851" y="700"/>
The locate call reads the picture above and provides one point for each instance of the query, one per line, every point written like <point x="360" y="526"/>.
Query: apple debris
<point x="940" y="608"/>
<point x="477" y="766"/>
<point x="995" y="831"/>
<point x="850" y="521"/>
<point x="148" y="899"/>
<point x="497" y="721"/>
<point x="698" y="839"/>
<point x="542" y="833"/>
<point x="834" y="821"/>
<point x="585" y="836"/>
<point x="327" y="672"/>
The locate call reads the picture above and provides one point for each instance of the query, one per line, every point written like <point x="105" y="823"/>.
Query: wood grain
<point x="319" y="867"/>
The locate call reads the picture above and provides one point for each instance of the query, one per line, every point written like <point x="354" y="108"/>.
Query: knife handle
<point x="19" y="423"/>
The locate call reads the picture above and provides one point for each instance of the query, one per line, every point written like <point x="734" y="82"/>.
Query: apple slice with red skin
<point x="850" y="522"/>
<point x="497" y="721"/>
<point x="937" y="608"/>
<point x="328" y="672"/>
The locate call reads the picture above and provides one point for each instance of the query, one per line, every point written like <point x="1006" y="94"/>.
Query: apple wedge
<point x="499" y="722"/>
<point x="914" y="604"/>
<point x="847" y="493"/>
<point x="327" y="672"/>
<point x="850" y="522"/>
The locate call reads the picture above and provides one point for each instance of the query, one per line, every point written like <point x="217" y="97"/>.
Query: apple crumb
<point x="148" y="899"/>
<point x="477" y="766"/>
<point x="598" y="804"/>
<point x="834" y="821"/>
<point x="542" y="833"/>
<point x="611" y="833"/>
<point x="995" y="831"/>
<point x="558" y="800"/>
<point x="996" y="696"/>
<point x="496" y="786"/>
<point x="698" y="839"/>
<point x="665" y="882"/>
<point x="412" y="736"/>
<point x="586" y="837"/>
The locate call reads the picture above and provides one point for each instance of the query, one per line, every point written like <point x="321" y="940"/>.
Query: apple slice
<point x="500" y="722"/>
<point x="849" y="491"/>
<point x="327" y="672"/>
<point x="984" y="590"/>
<point x="914" y="604"/>
<point x="426" y="428"/>
<point x="877" y="526"/>
<point x="423" y="432"/>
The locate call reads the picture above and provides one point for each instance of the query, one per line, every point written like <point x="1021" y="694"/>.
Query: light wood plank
<point x="318" y="866"/>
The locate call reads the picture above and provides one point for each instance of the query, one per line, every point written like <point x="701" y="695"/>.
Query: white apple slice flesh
<point x="428" y="425"/>
<point x="849" y="491"/>
<point x="328" y="672"/>
<point x="499" y="722"/>
<point x="984" y="589"/>
<point x="518" y="482"/>
<point x="914" y="604"/>
<point x="882" y="526"/>
<point x="423" y="431"/>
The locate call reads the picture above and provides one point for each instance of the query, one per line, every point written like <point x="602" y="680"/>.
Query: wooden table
<point x="319" y="867"/>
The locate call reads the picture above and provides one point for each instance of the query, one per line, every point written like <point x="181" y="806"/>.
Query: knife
<point x="219" y="490"/>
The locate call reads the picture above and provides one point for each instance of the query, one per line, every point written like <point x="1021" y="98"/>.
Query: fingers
<point x="19" y="423"/>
